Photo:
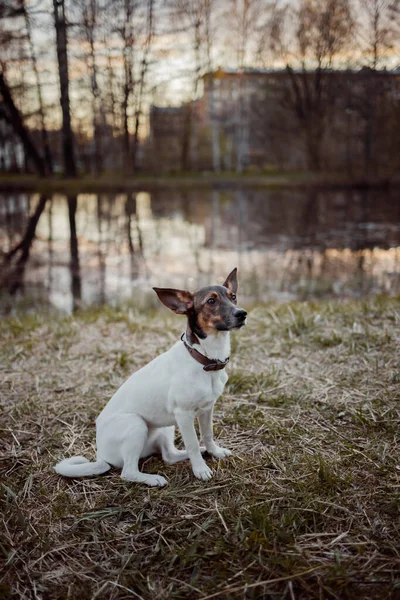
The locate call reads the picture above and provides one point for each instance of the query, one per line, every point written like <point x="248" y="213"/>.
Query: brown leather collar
<point x="209" y="365"/>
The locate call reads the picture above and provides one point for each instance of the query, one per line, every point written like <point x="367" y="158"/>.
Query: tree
<point x="127" y="33"/>
<point x="215" y="143"/>
<point x="62" y="56"/>
<point x="244" y="16"/>
<point x="376" y="34"/>
<point x="13" y="44"/>
<point x="16" y="120"/>
<point x="309" y="39"/>
<point x="191" y="13"/>
<point x="45" y="140"/>
<point x="89" y="23"/>
<point x="142" y="77"/>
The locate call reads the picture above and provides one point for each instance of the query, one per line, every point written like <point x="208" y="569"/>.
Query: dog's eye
<point x="211" y="301"/>
<point x="233" y="297"/>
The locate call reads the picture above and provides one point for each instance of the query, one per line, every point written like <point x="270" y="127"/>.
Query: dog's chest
<point x="218" y="381"/>
<point x="213" y="386"/>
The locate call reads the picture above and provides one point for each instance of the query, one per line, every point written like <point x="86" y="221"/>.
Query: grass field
<point x="308" y="507"/>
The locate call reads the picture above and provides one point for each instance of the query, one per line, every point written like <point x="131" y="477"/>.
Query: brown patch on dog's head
<point x="207" y="306"/>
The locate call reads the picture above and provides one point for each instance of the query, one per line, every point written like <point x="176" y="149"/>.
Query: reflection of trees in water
<point x="314" y="240"/>
<point x="130" y="208"/>
<point x="101" y="253"/>
<point x="50" y="249"/>
<point x="76" y="283"/>
<point x="15" y="260"/>
<point x="136" y="254"/>
<point x="213" y="232"/>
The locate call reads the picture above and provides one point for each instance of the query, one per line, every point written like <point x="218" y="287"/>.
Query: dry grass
<point x="308" y="507"/>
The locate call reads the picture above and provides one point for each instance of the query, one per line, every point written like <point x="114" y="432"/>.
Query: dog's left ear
<point x="180" y="301"/>
<point x="231" y="281"/>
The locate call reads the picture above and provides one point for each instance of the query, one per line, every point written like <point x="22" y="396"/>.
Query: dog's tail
<point x="78" y="466"/>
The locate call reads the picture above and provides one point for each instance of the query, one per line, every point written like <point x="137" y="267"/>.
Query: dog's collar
<point x="208" y="364"/>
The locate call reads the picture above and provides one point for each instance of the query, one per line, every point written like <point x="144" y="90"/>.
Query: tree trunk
<point x="370" y="109"/>
<point x="128" y="88"/>
<point x="143" y="74"/>
<point x="17" y="123"/>
<point x="45" y="140"/>
<point x="89" y="18"/>
<point x="186" y="162"/>
<point x="240" y="126"/>
<point x="214" y="120"/>
<point x="216" y="153"/>
<point x="313" y="135"/>
<point x="194" y="146"/>
<point x="62" y="56"/>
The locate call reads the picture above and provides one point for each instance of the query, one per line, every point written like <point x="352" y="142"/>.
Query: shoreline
<point x="120" y="184"/>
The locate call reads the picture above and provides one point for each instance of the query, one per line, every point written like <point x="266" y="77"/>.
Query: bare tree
<point x="191" y="14"/>
<point x="62" y="56"/>
<point x="45" y="138"/>
<point x="244" y="17"/>
<point x="13" y="39"/>
<point x="309" y="39"/>
<point x="142" y="77"/>
<point x="215" y="142"/>
<point x="376" y="34"/>
<point x="127" y="33"/>
<point x="90" y="11"/>
<point x="16" y="120"/>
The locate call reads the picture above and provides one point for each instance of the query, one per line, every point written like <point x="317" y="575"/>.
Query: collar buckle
<point x="216" y="365"/>
<point x="208" y="364"/>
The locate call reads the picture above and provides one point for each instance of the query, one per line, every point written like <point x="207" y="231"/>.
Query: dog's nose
<point x="241" y="314"/>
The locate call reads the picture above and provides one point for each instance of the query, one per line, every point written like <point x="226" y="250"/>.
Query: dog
<point x="173" y="389"/>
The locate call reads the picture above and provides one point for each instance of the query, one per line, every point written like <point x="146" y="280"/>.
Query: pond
<point x="287" y="244"/>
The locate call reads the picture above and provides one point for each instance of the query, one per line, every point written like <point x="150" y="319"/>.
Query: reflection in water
<point x="76" y="286"/>
<point x="16" y="257"/>
<point x="287" y="243"/>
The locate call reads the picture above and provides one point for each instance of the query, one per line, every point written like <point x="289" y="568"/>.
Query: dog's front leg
<point x="185" y="422"/>
<point x="206" y="428"/>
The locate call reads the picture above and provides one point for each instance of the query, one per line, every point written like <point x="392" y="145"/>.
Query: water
<point x="287" y="244"/>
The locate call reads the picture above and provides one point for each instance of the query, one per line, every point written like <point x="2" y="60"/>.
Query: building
<point x="283" y="120"/>
<point x="166" y="137"/>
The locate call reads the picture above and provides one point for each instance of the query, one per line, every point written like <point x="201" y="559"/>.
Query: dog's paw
<point x="155" y="481"/>
<point x="219" y="452"/>
<point x="146" y="478"/>
<point x="203" y="472"/>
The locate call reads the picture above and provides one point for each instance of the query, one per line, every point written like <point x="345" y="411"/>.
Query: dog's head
<point x="210" y="309"/>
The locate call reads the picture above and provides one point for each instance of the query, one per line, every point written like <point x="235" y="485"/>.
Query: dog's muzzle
<point x="240" y="317"/>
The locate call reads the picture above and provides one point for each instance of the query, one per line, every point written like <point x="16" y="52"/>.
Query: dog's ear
<point x="231" y="281"/>
<point x="180" y="301"/>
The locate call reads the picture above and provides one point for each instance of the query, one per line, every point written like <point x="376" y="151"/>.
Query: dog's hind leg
<point x="165" y="441"/>
<point x="133" y="445"/>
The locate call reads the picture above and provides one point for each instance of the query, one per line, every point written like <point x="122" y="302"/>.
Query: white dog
<point x="173" y="389"/>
